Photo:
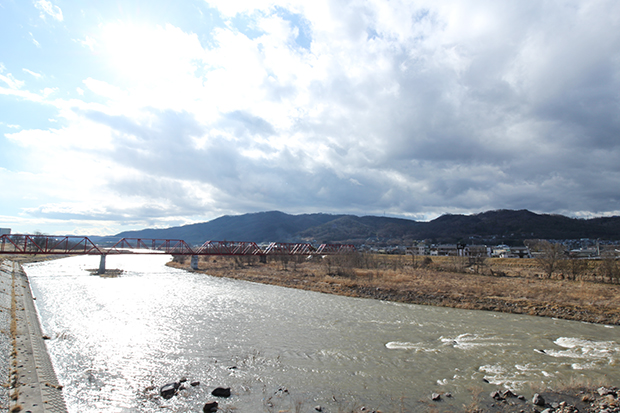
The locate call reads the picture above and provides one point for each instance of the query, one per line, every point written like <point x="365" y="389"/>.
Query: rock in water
<point x="221" y="392"/>
<point x="168" y="390"/>
<point x="538" y="400"/>
<point x="436" y="397"/>
<point x="210" y="407"/>
<point x="604" y="391"/>
<point x="507" y="393"/>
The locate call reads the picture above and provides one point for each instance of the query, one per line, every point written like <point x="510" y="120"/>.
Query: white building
<point x="5" y="231"/>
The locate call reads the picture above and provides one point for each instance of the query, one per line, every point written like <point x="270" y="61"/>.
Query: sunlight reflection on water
<point x="116" y="340"/>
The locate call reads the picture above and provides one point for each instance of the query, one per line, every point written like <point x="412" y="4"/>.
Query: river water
<point x="114" y="341"/>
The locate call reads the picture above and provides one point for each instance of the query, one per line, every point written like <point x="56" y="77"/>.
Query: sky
<point x="120" y="115"/>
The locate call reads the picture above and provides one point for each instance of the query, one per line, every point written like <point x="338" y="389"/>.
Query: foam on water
<point x="589" y="350"/>
<point x="469" y="341"/>
<point x="400" y="345"/>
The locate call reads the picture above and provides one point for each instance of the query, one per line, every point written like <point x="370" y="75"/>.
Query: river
<point x="114" y="341"/>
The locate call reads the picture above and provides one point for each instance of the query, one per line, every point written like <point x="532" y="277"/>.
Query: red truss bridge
<point x="75" y="245"/>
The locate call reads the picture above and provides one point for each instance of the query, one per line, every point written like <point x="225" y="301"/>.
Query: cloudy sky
<point x="126" y="114"/>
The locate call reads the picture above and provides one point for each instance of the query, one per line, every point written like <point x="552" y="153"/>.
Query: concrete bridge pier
<point x="194" y="262"/>
<point x="101" y="265"/>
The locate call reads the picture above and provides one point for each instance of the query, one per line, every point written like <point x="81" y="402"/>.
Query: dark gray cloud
<point x="515" y="107"/>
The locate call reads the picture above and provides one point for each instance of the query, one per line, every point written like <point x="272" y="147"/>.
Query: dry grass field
<point x="506" y="285"/>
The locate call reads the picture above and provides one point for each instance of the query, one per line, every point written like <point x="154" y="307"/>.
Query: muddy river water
<point x="114" y="341"/>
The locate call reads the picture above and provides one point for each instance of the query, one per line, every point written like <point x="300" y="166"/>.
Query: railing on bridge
<point x="75" y="245"/>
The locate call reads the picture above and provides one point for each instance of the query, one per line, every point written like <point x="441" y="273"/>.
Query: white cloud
<point x="34" y="41"/>
<point x="105" y="89"/>
<point x="33" y="74"/>
<point x="413" y="108"/>
<point x="47" y="8"/>
<point x="231" y="8"/>
<point x="88" y="42"/>
<point x="46" y="92"/>
<point x="10" y="80"/>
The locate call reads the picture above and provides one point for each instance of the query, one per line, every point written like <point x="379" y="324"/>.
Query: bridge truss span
<point x="76" y="245"/>
<point x="229" y="248"/>
<point x="47" y="245"/>
<point x="150" y="246"/>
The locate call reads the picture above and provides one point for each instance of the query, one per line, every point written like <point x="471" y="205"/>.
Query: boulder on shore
<point x="209" y="407"/>
<point x="221" y="392"/>
<point x="167" y="391"/>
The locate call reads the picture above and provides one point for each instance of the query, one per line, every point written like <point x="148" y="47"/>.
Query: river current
<point x="115" y="341"/>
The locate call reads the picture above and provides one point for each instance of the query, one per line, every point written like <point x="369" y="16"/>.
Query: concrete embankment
<point x="5" y="336"/>
<point x="31" y="384"/>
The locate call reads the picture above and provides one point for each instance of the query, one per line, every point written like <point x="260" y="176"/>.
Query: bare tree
<point x="547" y="254"/>
<point x="39" y="240"/>
<point x="609" y="266"/>
<point x="477" y="263"/>
<point x="574" y="268"/>
<point x="284" y="259"/>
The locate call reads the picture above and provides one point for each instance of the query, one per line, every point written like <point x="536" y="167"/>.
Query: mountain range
<point x="501" y="226"/>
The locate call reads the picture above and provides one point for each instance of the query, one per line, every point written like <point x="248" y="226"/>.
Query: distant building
<point x="418" y="250"/>
<point x="584" y="253"/>
<point x="445" y="250"/>
<point x="609" y="251"/>
<point x="504" y="251"/>
<point x="500" y="251"/>
<point x="477" y="251"/>
<point x="519" y="252"/>
<point x="5" y="231"/>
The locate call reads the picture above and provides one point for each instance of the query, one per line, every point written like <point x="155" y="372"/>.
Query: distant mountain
<point x="520" y="225"/>
<point x="501" y="226"/>
<point x="256" y="227"/>
<point x="355" y="229"/>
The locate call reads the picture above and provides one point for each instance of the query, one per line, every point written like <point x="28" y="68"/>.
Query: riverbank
<point x="32" y="384"/>
<point x="396" y="280"/>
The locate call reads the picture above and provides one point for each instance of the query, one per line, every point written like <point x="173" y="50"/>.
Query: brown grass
<point x="398" y="278"/>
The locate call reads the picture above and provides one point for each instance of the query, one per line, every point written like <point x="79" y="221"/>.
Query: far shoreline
<point x="563" y="299"/>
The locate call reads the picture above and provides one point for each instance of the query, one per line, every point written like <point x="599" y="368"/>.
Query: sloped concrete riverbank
<point x="32" y="384"/>
<point x="5" y="335"/>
